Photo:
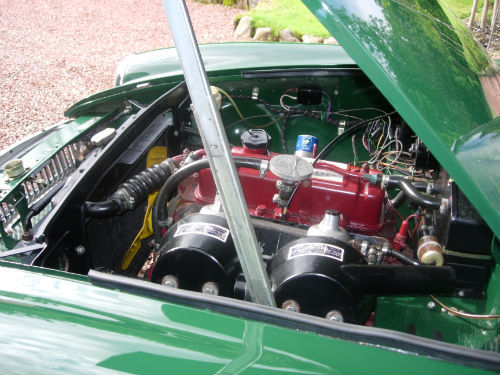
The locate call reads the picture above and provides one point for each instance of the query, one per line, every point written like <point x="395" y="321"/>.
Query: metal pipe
<point x="403" y="258"/>
<point x="422" y="200"/>
<point x="217" y="148"/>
<point x="160" y="211"/>
<point x="409" y="190"/>
<point x="400" y="198"/>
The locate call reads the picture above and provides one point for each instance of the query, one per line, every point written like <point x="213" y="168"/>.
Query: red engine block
<point x="361" y="204"/>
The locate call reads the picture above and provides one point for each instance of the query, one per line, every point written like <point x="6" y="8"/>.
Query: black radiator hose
<point x="400" y="198"/>
<point x="414" y="195"/>
<point x="133" y="191"/>
<point x="407" y="188"/>
<point x="170" y="187"/>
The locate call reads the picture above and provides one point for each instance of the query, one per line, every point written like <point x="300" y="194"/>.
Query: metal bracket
<point x="264" y="167"/>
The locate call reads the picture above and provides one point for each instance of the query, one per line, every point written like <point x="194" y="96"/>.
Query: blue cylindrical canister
<point x="306" y="146"/>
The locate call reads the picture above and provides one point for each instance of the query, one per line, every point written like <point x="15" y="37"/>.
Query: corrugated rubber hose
<point x="133" y="191"/>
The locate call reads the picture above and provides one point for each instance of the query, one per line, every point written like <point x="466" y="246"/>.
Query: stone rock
<point x="253" y="3"/>
<point x="312" y="39"/>
<point x="263" y="33"/>
<point x="288" y="36"/>
<point x="330" y="40"/>
<point x="244" y="28"/>
<point x="241" y="4"/>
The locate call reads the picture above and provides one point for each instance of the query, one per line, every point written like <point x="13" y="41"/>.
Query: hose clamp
<point x="385" y="182"/>
<point x="430" y="188"/>
<point x="171" y="164"/>
<point x="445" y="206"/>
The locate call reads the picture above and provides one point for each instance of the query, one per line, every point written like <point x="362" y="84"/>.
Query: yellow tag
<point x="155" y="156"/>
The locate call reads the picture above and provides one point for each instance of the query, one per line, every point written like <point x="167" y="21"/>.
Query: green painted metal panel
<point x="70" y="326"/>
<point x="147" y="75"/>
<point x="234" y="56"/>
<point x="479" y="152"/>
<point x="422" y="317"/>
<point x="345" y="92"/>
<point x="426" y="64"/>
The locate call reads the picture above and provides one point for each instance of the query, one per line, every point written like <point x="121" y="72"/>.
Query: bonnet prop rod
<point x="218" y="153"/>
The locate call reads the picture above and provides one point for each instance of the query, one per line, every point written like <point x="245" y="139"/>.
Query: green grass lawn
<point x="462" y="8"/>
<point x="292" y="14"/>
<point x="282" y="14"/>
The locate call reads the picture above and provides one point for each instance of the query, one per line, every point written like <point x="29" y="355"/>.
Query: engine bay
<point x="355" y="217"/>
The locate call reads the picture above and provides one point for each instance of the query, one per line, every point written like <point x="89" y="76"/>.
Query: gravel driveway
<point x="54" y="53"/>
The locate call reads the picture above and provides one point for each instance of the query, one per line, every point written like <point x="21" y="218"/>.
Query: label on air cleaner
<point x="205" y="229"/>
<point x="320" y="249"/>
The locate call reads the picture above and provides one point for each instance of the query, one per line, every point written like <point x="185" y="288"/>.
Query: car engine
<point x="350" y="209"/>
<point x="329" y="231"/>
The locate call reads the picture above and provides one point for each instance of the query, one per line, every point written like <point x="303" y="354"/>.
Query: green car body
<point x="59" y="323"/>
<point x="55" y="321"/>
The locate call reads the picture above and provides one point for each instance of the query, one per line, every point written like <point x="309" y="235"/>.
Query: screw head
<point x="170" y="281"/>
<point x="291" y="305"/>
<point x="80" y="250"/>
<point x="210" y="288"/>
<point x="334" y="316"/>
